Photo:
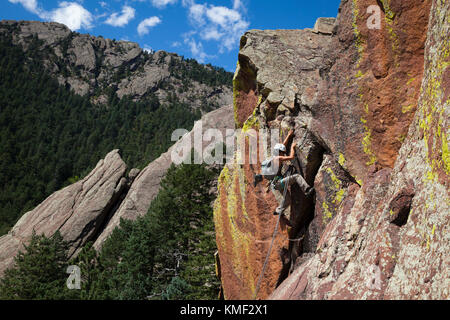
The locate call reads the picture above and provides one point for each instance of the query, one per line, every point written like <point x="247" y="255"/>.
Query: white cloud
<point x="223" y="16"/>
<point x="72" y="14"/>
<point x="238" y="5"/>
<point x="162" y="3"/>
<point x="197" y="13"/>
<point x="121" y="20"/>
<point x="30" y="5"/>
<point x="218" y="23"/>
<point x="211" y="34"/>
<point x="187" y="3"/>
<point x="196" y="49"/>
<point x="145" y="25"/>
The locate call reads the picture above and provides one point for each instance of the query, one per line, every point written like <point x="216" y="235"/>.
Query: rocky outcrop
<point x="146" y="185"/>
<point x="94" y="65"/>
<point x="274" y="69"/>
<point x="325" y="25"/>
<point x="91" y="208"/>
<point x="372" y="126"/>
<point x="78" y="211"/>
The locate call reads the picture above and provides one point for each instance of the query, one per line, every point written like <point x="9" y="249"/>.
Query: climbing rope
<point x="258" y="285"/>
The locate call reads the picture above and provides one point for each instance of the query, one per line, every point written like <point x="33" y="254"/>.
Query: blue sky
<point x="207" y="30"/>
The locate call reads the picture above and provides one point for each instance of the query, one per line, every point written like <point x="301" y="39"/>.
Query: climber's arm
<point x="286" y="141"/>
<point x="291" y="156"/>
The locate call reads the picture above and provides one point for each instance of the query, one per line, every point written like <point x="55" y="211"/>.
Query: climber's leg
<point x="297" y="178"/>
<point x="283" y="202"/>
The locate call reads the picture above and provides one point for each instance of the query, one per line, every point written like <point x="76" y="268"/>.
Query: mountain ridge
<point x="92" y="65"/>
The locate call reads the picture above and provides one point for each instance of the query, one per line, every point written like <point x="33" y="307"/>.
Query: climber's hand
<point x="268" y="187"/>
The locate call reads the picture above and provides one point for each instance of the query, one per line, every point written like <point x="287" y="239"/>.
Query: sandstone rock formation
<point x="77" y="211"/>
<point x="91" y="208"/>
<point x="93" y="65"/>
<point x="371" y="119"/>
<point x="267" y="79"/>
<point x="325" y="25"/>
<point x="146" y="185"/>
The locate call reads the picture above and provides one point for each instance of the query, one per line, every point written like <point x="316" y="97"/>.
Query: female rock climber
<point x="276" y="170"/>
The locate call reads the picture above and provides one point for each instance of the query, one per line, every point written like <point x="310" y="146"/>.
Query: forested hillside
<point x="166" y="254"/>
<point x="51" y="137"/>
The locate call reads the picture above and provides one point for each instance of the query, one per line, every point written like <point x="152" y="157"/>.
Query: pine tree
<point x="39" y="271"/>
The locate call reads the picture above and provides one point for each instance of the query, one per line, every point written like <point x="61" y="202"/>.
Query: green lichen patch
<point x="359" y="42"/>
<point x="336" y="196"/>
<point x="367" y="146"/>
<point x="234" y="213"/>
<point x="387" y="9"/>
<point x="341" y="160"/>
<point x="408" y="108"/>
<point x="389" y="19"/>
<point x="236" y="90"/>
<point x="445" y="153"/>
<point x="433" y="113"/>
<point x="252" y="122"/>
<point x="327" y="215"/>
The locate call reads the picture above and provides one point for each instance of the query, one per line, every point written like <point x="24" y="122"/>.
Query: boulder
<point x="146" y="184"/>
<point x="77" y="211"/>
<point x="324" y="25"/>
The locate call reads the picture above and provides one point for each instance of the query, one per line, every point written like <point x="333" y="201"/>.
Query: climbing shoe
<point x="286" y="221"/>
<point x="275" y="213"/>
<point x="257" y="179"/>
<point x="309" y="192"/>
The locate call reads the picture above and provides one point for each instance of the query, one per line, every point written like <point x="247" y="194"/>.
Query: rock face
<point x="146" y="185"/>
<point x="77" y="211"/>
<point x="370" y="112"/>
<point x="325" y="25"/>
<point x="93" y="65"/>
<point x="268" y="80"/>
